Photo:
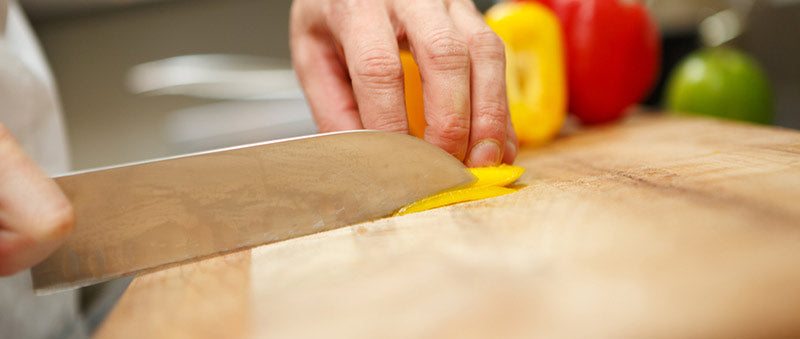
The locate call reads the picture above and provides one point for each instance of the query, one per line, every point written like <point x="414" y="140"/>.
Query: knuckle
<point x="493" y="114"/>
<point x="486" y="44"/>
<point x="447" y="50"/>
<point x="379" y="67"/>
<point x="452" y="130"/>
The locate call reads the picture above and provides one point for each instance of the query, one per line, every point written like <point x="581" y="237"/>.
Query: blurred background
<point x="142" y="79"/>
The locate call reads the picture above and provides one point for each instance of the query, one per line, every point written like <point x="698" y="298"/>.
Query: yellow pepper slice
<point x="502" y="175"/>
<point x="489" y="184"/>
<point x="535" y="69"/>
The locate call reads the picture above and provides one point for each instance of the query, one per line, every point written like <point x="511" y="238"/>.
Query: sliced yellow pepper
<point x="535" y="68"/>
<point x="502" y="175"/>
<point x="489" y="184"/>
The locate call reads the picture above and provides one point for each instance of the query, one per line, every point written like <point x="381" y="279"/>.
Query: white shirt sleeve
<point x="29" y="104"/>
<point x="29" y="108"/>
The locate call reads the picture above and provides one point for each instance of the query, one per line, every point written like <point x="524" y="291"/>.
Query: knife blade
<point x="142" y="216"/>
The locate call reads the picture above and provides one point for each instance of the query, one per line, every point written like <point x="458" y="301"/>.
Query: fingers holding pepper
<point x="347" y="57"/>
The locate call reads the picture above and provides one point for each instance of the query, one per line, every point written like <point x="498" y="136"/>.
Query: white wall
<point x="90" y="54"/>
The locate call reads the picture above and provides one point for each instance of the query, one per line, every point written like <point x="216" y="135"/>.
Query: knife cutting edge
<point x="142" y="216"/>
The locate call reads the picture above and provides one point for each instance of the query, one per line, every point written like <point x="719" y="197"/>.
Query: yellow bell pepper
<point x="489" y="184"/>
<point x="535" y="68"/>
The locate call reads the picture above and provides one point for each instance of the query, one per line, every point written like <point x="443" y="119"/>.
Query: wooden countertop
<point x="657" y="227"/>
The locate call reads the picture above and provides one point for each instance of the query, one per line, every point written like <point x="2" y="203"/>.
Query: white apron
<point x="29" y="107"/>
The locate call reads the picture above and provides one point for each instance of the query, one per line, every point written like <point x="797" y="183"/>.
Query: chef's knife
<point x="138" y="217"/>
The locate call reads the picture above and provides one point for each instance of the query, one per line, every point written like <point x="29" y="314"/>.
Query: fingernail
<point x="484" y="153"/>
<point x="510" y="153"/>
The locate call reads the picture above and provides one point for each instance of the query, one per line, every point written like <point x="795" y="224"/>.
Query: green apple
<point x="721" y="82"/>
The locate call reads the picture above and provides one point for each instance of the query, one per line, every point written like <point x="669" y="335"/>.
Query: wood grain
<point x="187" y="301"/>
<point x="658" y="227"/>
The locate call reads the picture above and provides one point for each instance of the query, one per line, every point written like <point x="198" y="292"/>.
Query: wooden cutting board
<point x="657" y="227"/>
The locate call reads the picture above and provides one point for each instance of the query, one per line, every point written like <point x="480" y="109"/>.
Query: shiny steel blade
<point x="141" y="216"/>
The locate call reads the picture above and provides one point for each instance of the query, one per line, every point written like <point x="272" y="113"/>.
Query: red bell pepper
<point x="613" y="55"/>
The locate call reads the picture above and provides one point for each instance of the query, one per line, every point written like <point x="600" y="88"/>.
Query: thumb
<point x="35" y="216"/>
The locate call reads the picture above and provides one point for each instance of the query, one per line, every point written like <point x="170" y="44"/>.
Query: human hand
<point x="35" y="216"/>
<point x="346" y="54"/>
